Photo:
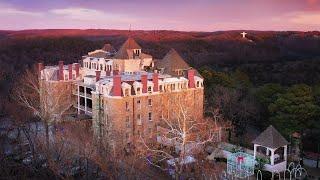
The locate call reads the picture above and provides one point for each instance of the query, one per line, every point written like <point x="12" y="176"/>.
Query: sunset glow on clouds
<point x="186" y="15"/>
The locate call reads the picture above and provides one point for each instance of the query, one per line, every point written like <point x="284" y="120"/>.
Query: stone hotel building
<point x="127" y="93"/>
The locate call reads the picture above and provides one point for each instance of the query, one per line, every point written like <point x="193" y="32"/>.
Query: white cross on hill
<point x="243" y="34"/>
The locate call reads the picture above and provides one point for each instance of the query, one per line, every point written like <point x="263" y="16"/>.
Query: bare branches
<point x="181" y="135"/>
<point x="48" y="100"/>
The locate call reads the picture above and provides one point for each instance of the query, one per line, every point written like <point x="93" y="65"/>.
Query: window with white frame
<point x="127" y="121"/>
<point x="138" y="90"/>
<point x="150" y="116"/>
<point x="139" y="103"/>
<point x="127" y="106"/>
<point x="139" y="122"/>
<point x="126" y="92"/>
<point x="161" y="88"/>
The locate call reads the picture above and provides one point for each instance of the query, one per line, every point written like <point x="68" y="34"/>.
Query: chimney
<point x="60" y="70"/>
<point x="40" y="68"/>
<point x="77" y="67"/>
<point x="116" y="85"/>
<point x="70" y="71"/>
<point x="144" y="81"/>
<point x="115" y="72"/>
<point x="98" y="73"/>
<point x="191" y="78"/>
<point x="108" y="73"/>
<point x="155" y="78"/>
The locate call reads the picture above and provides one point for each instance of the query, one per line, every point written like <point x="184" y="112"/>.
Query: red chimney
<point x="98" y="73"/>
<point x="60" y="70"/>
<point x="155" y="79"/>
<point x="77" y="67"/>
<point x="144" y="81"/>
<point x="191" y="78"/>
<point x="40" y="68"/>
<point x="115" y="72"/>
<point x="117" y="85"/>
<point x="70" y="71"/>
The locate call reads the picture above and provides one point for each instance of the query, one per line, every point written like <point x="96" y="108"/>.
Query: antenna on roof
<point x="129" y="31"/>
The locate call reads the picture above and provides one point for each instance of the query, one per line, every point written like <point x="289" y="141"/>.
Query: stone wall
<point x="120" y="114"/>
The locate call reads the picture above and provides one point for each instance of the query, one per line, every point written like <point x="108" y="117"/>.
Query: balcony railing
<point x="83" y="95"/>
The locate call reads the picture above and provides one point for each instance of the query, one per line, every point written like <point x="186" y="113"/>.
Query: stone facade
<point x="135" y="118"/>
<point x="125" y="93"/>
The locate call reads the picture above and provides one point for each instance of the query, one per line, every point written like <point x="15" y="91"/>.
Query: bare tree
<point x="46" y="100"/>
<point x="181" y="136"/>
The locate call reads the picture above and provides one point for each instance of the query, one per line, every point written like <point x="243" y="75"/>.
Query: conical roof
<point x="171" y="62"/>
<point x="270" y="138"/>
<point x="128" y="45"/>
<point x="108" y="48"/>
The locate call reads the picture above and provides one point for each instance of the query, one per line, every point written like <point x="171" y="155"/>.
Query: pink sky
<point x="185" y="15"/>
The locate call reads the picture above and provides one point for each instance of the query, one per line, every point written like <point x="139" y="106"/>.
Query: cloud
<point x="6" y="10"/>
<point x="305" y="18"/>
<point x="83" y="14"/>
<point x="312" y="2"/>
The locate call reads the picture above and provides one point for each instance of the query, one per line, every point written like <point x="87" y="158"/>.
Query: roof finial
<point x="130" y="31"/>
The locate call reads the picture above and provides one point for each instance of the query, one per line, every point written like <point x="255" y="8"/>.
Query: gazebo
<point x="271" y="143"/>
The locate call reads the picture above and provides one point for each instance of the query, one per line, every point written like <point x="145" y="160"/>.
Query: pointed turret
<point x="172" y="63"/>
<point x="128" y="50"/>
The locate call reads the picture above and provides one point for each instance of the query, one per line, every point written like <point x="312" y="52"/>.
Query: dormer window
<point x="137" y="52"/>
<point x="149" y="89"/>
<point x="127" y="92"/>
<point x="179" y="72"/>
<point x="173" y="87"/>
<point x="138" y="90"/>
<point x="126" y="89"/>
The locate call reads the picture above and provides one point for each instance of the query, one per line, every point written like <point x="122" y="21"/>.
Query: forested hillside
<point x="263" y="74"/>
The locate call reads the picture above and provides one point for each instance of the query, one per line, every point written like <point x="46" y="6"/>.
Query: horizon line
<point x="86" y="29"/>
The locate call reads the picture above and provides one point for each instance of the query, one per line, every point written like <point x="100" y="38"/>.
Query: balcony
<point x="83" y="108"/>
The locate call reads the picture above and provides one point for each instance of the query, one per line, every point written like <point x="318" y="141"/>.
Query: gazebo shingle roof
<point x="270" y="138"/>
